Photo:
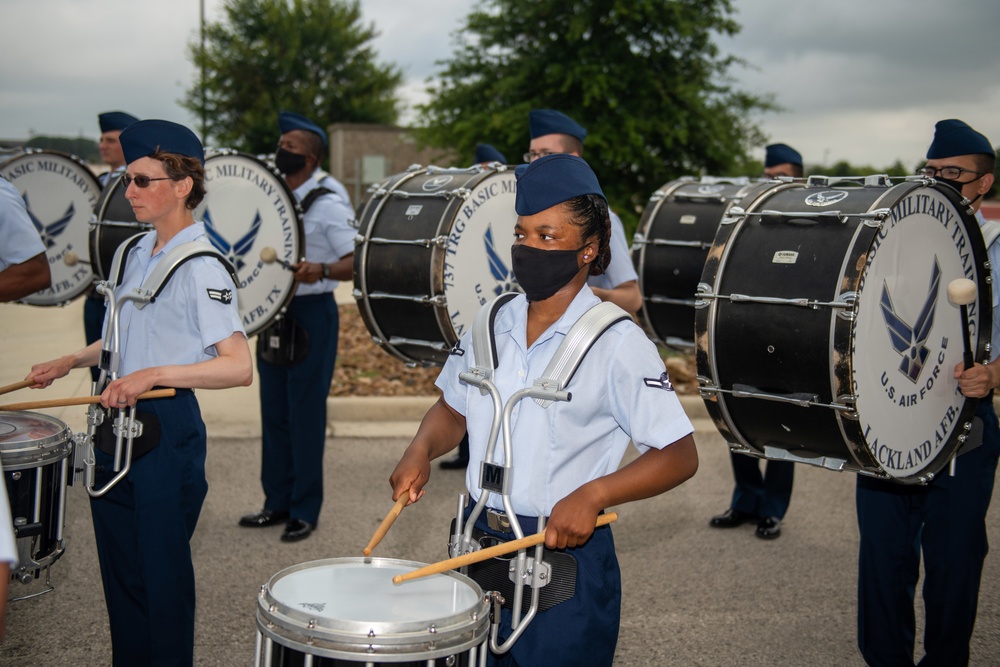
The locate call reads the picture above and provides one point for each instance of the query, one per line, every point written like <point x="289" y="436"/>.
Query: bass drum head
<point x="349" y="608"/>
<point x="908" y="338"/>
<point x="114" y="224"/>
<point x="59" y="192"/>
<point x="433" y="246"/>
<point x="248" y="207"/>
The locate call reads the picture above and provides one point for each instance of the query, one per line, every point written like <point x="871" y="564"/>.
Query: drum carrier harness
<point x="494" y="478"/>
<point x="126" y="428"/>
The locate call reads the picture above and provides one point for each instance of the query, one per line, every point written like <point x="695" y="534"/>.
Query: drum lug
<point x="733" y="215"/>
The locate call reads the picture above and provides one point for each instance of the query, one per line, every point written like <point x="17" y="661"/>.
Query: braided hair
<point x="590" y="213"/>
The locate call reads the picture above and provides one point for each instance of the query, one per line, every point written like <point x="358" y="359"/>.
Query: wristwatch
<point x="326" y="271"/>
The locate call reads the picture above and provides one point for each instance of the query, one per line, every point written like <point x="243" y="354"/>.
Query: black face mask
<point x="288" y="162"/>
<point x="542" y="273"/>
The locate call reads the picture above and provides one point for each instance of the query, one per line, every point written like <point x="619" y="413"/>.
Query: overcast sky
<point x="861" y="80"/>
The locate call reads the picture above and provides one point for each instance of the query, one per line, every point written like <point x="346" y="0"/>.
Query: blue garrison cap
<point x="780" y="154"/>
<point x="486" y="153"/>
<point x="288" y="121"/>
<point x="551" y="180"/>
<point x="144" y="137"/>
<point x="548" y="121"/>
<point x="115" y="120"/>
<point x="953" y="137"/>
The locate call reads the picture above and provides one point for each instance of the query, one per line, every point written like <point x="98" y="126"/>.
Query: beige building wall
<point x="363" y="154"/>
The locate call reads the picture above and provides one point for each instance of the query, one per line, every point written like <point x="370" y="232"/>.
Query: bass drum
<point x="432" y="247"/>
<point x="669" y="248"/>
<point x="824" y="331"/>
<point x="59" y="192"/>
<point x="248" y="208"/>
<point x="113" y="223"/>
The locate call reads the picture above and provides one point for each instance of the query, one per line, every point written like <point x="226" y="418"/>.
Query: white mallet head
<point x="962" y="291"/>
<point x="71" y="258"/>
<point x="269" y="254"/>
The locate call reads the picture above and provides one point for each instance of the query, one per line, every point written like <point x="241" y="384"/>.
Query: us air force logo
<point x="910" y="340"/>
<point x="51" y="231"/>
<point x="903" y="340"/>
<point x="826" y="198"/>
<point x="477" y="255"/>
<point x="662" y="382"/>
<point x="222" y="295"/>
<point x="234" y="252"/>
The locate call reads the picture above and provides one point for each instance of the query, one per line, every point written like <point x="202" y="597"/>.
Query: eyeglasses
<point x="949" y="173"/>
<point x="141" y="181"/>
<point x="531" y="156"/>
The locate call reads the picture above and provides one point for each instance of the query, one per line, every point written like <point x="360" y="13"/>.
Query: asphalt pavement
<point x="693" y="595"/>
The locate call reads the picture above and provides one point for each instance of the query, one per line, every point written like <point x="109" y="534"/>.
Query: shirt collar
<point x="516" y="311"/>
<point x="189" y="233"/>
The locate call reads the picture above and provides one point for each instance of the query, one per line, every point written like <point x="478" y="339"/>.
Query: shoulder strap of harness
<point x="580" y="338"/>
<point x="165" y="269"/>
<point x="120" y="257"/>
<point x="991" y="231"/>
<point x="312" y="196"/>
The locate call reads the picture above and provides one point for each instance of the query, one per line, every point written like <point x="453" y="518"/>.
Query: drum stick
<point x="78" y="400"/>
<point x="962" y="292"/>
<point x="387" y="523"/>
<point x="490" y="552"/>
<point x="17" y="385"/>
<point x="269" y="255"/>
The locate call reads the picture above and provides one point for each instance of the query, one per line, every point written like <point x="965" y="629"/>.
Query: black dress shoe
<point x="456" y="462"/>
<point x="730" y="519"/>
<point x="296" y="530"/>
<point x="263" y="518"/>
<point x="769" y="528"/>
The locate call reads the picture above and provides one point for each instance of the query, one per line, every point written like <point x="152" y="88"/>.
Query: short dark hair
<point x="985" y="163"/>
<point x="590" y="213"/>
<point x="179" y="167"/>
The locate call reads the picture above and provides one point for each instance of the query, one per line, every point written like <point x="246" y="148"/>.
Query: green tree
<point x="645" y="77"/>
<point x="313" y="57"/>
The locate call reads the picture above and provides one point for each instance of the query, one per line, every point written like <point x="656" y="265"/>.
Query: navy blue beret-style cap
<point x="115" y="120"/>
<point x="776" y="154"/>
<point x="548" y="121"/>
<point x="145" y="137"/>
<point x="288" y="121"/>
<point x="486" y="153"/>
<point x="551" y="180"/>
<point x="953" y="137"/>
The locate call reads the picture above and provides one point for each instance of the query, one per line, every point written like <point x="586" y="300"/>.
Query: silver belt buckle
<point x="497" y="520"/>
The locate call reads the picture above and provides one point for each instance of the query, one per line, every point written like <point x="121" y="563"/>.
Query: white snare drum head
<point x="30" y="439"/>
<point x="353" y="592"/>
<point x="907" y="338"/>
<point x="247" y="208"/>
<point x="59" y="192"/>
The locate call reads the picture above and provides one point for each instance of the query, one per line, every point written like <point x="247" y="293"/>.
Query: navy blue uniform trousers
<point x="293" y="414"/>
<point x="143" y="527"/>
<point x="766" y="494"/>
<point x="580" y="631"/>
<point x="947" y="519"/>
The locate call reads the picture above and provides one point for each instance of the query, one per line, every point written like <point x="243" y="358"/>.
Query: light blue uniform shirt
<point x="328" y="226"/>
<point x="620" y="269"/>
<point x="558" y="449"/>
<point x="993" y="252"/>
<point x="186" y="321"/>
<point x="19" y="239"/>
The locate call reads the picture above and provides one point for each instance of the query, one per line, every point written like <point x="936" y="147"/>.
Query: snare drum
<point x="432" y="247"/>
<point x="669" y="249"/>
<point x="59" y="192"/>
<point x="824" y="331"/>
<point x="248" y="207"/>
<point x="343" y="611"/>
<point x="113" y="223"/>
<point x="34" y="453"/>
